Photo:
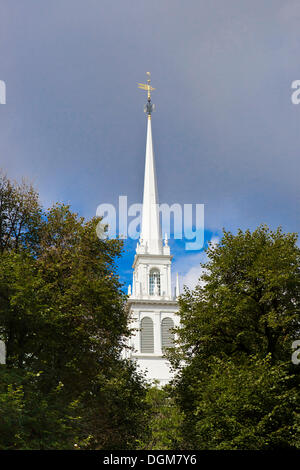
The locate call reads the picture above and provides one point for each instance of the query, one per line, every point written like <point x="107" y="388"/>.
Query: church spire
<point x="151" y="238"/>
<point x="152" y="307"/>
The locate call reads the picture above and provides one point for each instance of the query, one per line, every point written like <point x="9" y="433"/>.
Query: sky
<point x="225" y="131"/>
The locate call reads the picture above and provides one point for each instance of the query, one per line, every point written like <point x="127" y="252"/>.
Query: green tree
<point x="164" y="422"/>
<point x="64" y="322"/>
<point x="29" y="419"/>
<point x="20" y="215"/>
<point x="248" y="304"/>
<point x="253" y="405"/>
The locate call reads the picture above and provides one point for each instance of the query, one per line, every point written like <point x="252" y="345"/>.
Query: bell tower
<point x="152" y="306"/>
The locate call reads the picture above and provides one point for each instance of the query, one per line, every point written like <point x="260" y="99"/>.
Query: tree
<point x="20" y="215"/>
<point x="232" y="406"/>
<point x="64" y="322"/>
<point x="29" y="419"/>
<point x="164" y="422"/>
<point x="247" y="305"/>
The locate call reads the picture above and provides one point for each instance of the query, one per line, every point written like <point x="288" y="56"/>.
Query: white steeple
<point x="151" y="231"/>
<point x="153" y="308"/>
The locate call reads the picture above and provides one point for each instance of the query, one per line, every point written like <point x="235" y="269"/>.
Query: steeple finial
<point x="149" y="107"/>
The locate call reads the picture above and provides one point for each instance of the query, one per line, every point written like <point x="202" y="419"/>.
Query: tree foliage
<point x="236" y="383"/>
<point x="164" y="421"/>
<point x="64" y="321"/>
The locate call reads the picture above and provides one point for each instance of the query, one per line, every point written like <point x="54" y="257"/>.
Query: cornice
<point x="153" y="302"/>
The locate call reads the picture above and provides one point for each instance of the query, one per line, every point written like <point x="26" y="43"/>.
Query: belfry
<point x="153" y="308"/>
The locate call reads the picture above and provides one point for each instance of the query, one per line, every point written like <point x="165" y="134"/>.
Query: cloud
<point x="225" y="131"/>
<point x="191" y="278"/>
<point x="189" y="267"/>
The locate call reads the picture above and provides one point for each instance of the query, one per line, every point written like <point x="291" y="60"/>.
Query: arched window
<point x="167" y="335"/>
<point x="147" y="336"/>
<point x="154" y="282"/>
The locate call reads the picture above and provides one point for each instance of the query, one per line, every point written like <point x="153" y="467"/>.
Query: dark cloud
<point x="226" y="133"/>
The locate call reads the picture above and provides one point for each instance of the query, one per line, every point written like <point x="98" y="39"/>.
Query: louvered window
<point x="147" y="336"/>
<point x="167" y="335"/>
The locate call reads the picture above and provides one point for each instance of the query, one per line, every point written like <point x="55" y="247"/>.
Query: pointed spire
<point x="151" y="231"/>
<point x="151" y="239"/>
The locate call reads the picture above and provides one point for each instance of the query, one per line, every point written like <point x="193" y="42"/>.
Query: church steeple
<point x="151" y="239"/>
<point x="152" y="306"/>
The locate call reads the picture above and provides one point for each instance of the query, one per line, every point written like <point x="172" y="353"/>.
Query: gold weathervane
<point x="147" y="86"/>
<point x="149" y="107"/>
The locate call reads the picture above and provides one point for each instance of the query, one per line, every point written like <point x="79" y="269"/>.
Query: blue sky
<point x="225" y="131"/>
